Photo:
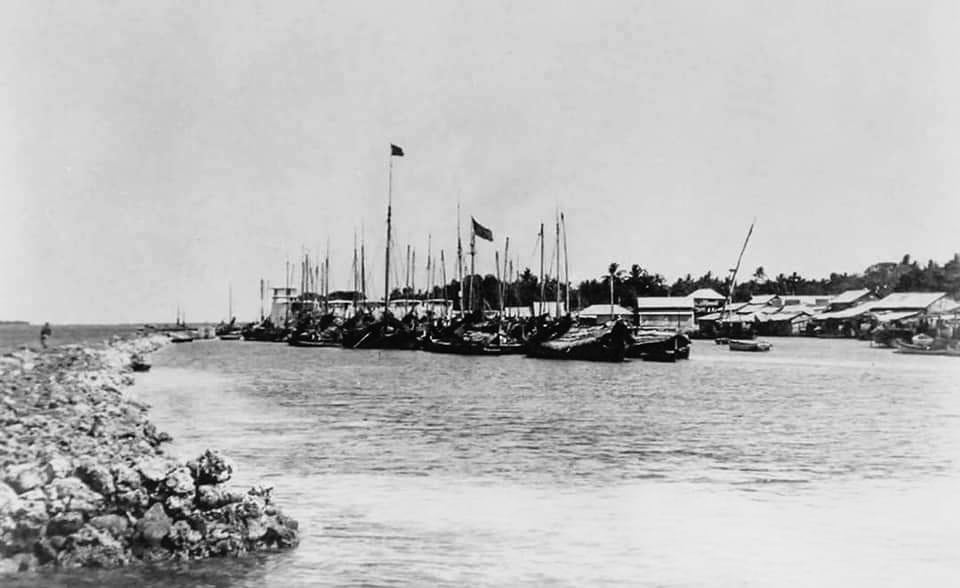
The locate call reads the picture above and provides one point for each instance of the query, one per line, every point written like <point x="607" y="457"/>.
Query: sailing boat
<point x="561" y="338"/>
<point x="744" y="335"/>
<point x="313" y="327"/>
<point x="363" y="331"/>
<point x="229" y="331"/>
<point x="472" y="333"/>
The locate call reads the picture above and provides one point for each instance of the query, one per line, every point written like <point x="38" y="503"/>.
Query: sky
<point x="156" y="154"/>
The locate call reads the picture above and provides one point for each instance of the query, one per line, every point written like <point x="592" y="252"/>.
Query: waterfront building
<point x="846" y="315"/>
<point x="281" y="304"/>
<point x="665" y="312"/>
<point x="912" y="307"/>
<point x="849" y="299"/>
<point x="601" y="313"/>
<point x="706" y="301"/>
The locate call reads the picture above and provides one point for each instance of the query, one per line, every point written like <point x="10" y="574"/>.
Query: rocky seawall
<point x="85" y="480"/>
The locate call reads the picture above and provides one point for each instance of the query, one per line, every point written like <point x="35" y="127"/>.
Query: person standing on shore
<point x="45" y="332"/>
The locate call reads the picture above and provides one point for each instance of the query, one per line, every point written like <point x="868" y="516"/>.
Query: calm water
<point x="824" y="462"/>
<point x="13" y="337"/>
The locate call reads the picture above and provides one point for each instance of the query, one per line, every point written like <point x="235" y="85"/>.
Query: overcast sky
<point x="152" y="153"/>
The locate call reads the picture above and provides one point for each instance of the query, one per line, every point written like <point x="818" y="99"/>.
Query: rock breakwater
<point x="85" y="480"/>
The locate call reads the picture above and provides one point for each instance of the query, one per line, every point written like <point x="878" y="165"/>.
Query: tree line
<point x="882" y="278"/>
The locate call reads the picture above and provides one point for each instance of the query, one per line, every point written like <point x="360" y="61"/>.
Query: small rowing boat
<point x="138" y="364"/>
<point x="749" y="345"/>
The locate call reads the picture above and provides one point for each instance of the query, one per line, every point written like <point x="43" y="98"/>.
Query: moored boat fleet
<point x="476" y="333"/>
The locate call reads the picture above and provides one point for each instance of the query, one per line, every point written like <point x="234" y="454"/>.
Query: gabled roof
<point x="853" y="311"/>
<point x="887" y="317"/>
<point x="671" y="302"/>
<point x="762" y="298"/>
<point x="849" y="296"/>
<point x="735" y="306"/>
<point x="604" y="310"/>
<point x="908" y="300"/>
<point x="787" y="315"/>
<point x="706" y="294"/>
<point x="806" y="299"/>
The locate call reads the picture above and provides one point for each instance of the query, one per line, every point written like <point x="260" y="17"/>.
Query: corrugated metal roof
<point x="908" y="300"/>
<point x="604" y="310"/>
<point x="886" y="317"/>
<point x="849" y="296"/>
<point x="846" y="313"/>
<point x="705" y="294"/>
<point x="671" y="302"/>
<point x="806" y="300"/>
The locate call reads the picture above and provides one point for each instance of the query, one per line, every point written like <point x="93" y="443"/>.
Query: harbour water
<point x="821" y="463"/>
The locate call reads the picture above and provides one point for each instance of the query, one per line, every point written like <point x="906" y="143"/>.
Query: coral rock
<point x="25" y="477"/>
<point x="8" y="498"/>
<point x="211" y="468"/>
<point x="65" y="523"/>
<point x="179" y="481"/>
<point x="96" y="476"/>
<point x="154" y="469"/>
<point x="116" y="525"/>
<point x="154" y="526"/>
<point x="125" y="478"/>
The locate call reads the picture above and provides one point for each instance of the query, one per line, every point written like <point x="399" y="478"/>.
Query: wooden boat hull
<point x="306" y="343"/>
<point x="140" y="366"/>
<point x="459" y="348"/>
<point x="667" y="347"/>
<point x="229" y="337"/>
<point x="912" y="349"/>
<point x="739" y="345"/>
<point x="607" y="344"/>
<point x="377" y="338"/>
<point x="664" y="356"/>
<point x="888" y="337"/>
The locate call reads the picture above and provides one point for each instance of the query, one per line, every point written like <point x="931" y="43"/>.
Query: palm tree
<point x="614" y="274"/>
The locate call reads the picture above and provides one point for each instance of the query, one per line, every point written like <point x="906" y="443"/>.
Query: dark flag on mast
<point x="395" y="151"/>
<point x="481" y="231"/>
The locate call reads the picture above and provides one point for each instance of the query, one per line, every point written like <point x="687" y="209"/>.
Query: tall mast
<point x="406" y="275"/>
<point x="326" y="278"/>
<point x="429" y="252"/>
<point x="558" y="265"/>
<point x="566" y="265"/>
<point x="355" y="269"/>
<point x="473" y="257"/>
<point x="229" y="302"/>
<point x="543" y="290"/>
<point x="363" y="266"/>
<point x="443" y="269"/>
<point x="463" y="291"/>
<point x="386" y="269"/>
<point x="512" y="281"/>
<point x="506" y="279"/>
<point x="736" y="269"/>
<point x="496" y="264"/>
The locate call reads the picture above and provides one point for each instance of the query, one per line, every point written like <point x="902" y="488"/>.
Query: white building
<point x="281" y="302"/>
<point x="601" y="313"/>
<point x="666" y="312"/>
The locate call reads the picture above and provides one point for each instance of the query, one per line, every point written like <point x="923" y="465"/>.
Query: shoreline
<point x="86" y="479"/>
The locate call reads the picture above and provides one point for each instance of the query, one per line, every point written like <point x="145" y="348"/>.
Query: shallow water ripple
<point x="727" y="470"/>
